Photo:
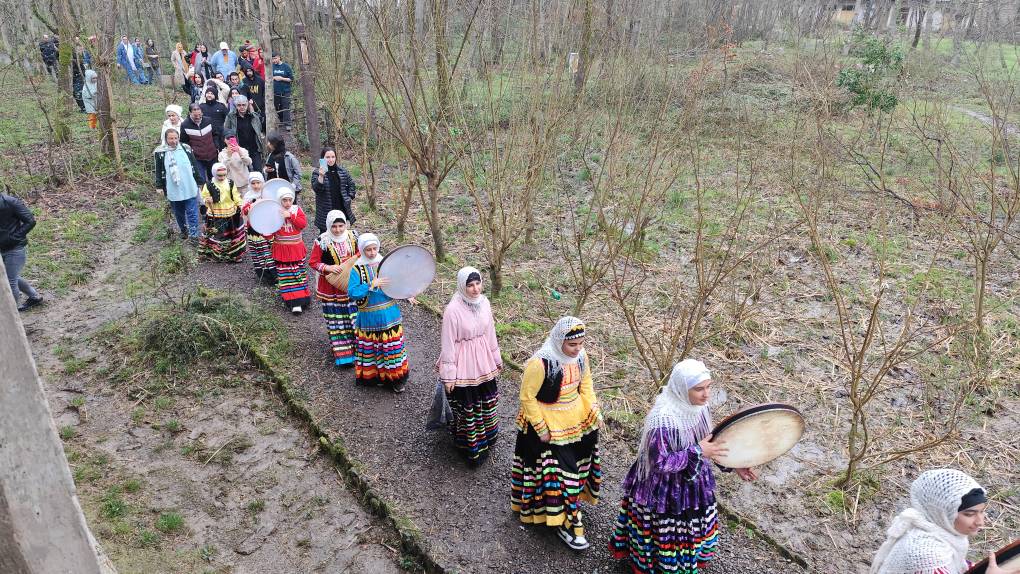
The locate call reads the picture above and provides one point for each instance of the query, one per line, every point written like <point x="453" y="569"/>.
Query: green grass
<point x="68" y="432"/>
<point x="170" y="522"/>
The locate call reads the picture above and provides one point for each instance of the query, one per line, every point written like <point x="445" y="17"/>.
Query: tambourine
<point x="758" y="435"/>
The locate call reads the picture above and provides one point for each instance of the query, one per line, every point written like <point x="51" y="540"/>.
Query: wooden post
<point x="42" y="528"/>
<point x="307" y="65"/>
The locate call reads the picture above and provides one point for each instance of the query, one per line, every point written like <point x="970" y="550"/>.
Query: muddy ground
<point x="464" y="514"/>
<point x="222" y="480"/>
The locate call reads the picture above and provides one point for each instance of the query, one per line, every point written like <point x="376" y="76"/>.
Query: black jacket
<point x="16" y="220"/>
<point x="327" y="198"/>
<point x="217" y="114"/>
<point x="203" y="138"/>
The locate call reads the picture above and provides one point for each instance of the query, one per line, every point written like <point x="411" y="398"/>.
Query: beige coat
<point x="238" y="166"/>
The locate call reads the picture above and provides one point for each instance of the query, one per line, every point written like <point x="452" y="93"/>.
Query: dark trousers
<point x="282" y="104"/>
<point x="186" y="214"/>
<point x="256" y="160"/>
<point x="51" y="67"/>
<point x="205" y="168"/>
<point x="78" y="85"/>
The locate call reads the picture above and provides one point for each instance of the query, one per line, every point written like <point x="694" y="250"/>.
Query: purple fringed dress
<point x="667" y="521"/>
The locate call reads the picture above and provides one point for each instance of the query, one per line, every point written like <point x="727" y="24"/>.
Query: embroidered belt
<point x="378" y="307"/>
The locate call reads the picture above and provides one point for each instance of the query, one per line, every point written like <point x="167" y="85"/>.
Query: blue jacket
<point x="225" y="68"/>
<point x="282" y="69"/>
<point x="122" y="57"/>
<point x="376" y="311"/>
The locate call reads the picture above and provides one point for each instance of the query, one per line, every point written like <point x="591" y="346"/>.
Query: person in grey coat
<point x="244" y="124"/>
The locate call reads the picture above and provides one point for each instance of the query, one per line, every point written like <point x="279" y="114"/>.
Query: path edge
<point x="723" y="508"/>
<point x="412" y="541"/>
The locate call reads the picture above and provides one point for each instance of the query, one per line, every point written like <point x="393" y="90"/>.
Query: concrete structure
<point x="42" y="529"/>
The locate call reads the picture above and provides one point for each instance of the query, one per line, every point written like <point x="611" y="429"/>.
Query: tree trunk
<point x="182" y="30"/>
<point x="434" y="224"/>
<point x="496" y="278"/>
<point x="442" y="62"/>
<point x="367" y="83"/>
<point x="918" y="19"/>
<point x="108" y="141"/>
<point x="584" y="55"/>
<point x="68" y="32"/>
<point x="265" y="38"/>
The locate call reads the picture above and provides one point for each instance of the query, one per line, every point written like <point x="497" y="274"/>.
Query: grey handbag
<point x="440" y="414"/>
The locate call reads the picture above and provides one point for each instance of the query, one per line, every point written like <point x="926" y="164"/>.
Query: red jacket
<point x="322" y="258"/>
<point x="288" y="245"/>
<point x="259" y="65"/>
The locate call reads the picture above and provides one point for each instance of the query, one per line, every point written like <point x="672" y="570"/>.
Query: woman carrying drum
<point x="469" y="367"/>
<point x="556" y="458"/>
<point x="931" y="536"/>
<point x="260" y="247"/>
<point x="289" y="254"/>
<point x="379" y="358"/>
<point x="329" y="251"/>
<point x="667" y="520"/>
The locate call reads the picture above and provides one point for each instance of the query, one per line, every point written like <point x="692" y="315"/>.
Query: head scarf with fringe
<point x="465" y="276"/>
<point x="681" y="423"/>
<point x="552" y="350"/>
<point x="341" y="242"/>
<point x="922" y="538"/>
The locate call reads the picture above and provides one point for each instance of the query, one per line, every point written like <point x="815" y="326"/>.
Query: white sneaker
<point x="296" y="310"/>
<point x="573" y="542"/>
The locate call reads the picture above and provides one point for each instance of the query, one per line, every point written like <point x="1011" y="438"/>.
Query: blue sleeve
<point x="290" y="71"/>
<point x="356" y="289"/>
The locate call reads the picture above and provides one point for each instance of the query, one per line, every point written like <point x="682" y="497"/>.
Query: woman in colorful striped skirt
<point x="556" y="460"/>
<point x="379" y="358"/>
<point x="289" y="254"/>
<point x="469" y="367"/>
<point x="260" y="247"/>
<point x="337" y="245"/>
<point x="667" y="521"/>
<point x="224" y="234"/>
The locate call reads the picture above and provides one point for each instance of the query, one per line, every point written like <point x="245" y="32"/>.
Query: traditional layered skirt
<point x="261" y="250"/>
<point x="548" y="481"/>
<point x="339" y="312"/>
<point x="292" y="283"/>
<point x="224" y="238"/>
<point x="474" y="425"/>
<point x="665" y="543"/>
<point x="380" y="358"/>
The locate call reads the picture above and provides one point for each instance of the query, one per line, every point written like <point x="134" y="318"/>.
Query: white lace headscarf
<point x="682" y="423"/>
<point x="473" y="303"/>
<point x="552" y="349"/>
<point x="364" y="240"/>
<point x="922" y="537"/>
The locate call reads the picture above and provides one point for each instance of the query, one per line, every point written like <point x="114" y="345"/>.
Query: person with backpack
<point x="224" y="238"/>
<point x="16" y="220"/>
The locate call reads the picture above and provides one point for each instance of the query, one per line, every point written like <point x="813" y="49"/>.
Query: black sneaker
<point x="577" y="543"/>
<point x="398" y="388"/>
<point x="31" y="302"/>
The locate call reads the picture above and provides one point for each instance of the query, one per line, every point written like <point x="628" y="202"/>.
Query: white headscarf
<point x="250" y="194"/>
<point x="552" y="349"/>
<point x="285" y="192"/>
<point x="473" y="303"/>
<point x="684" y="424"/>
<point x="922" y="537"/>
<point x="173" y="108"/>
<point x="327" y="239"/>
<point x="364" y="240"/>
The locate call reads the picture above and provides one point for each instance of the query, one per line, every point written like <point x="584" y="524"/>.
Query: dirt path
<point x="464" y="514"/>
<point x="221" y="480"/>
<point x="1010" y="129"/>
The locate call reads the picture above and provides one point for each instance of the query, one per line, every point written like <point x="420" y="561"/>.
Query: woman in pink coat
<point x="469" y="367"/>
